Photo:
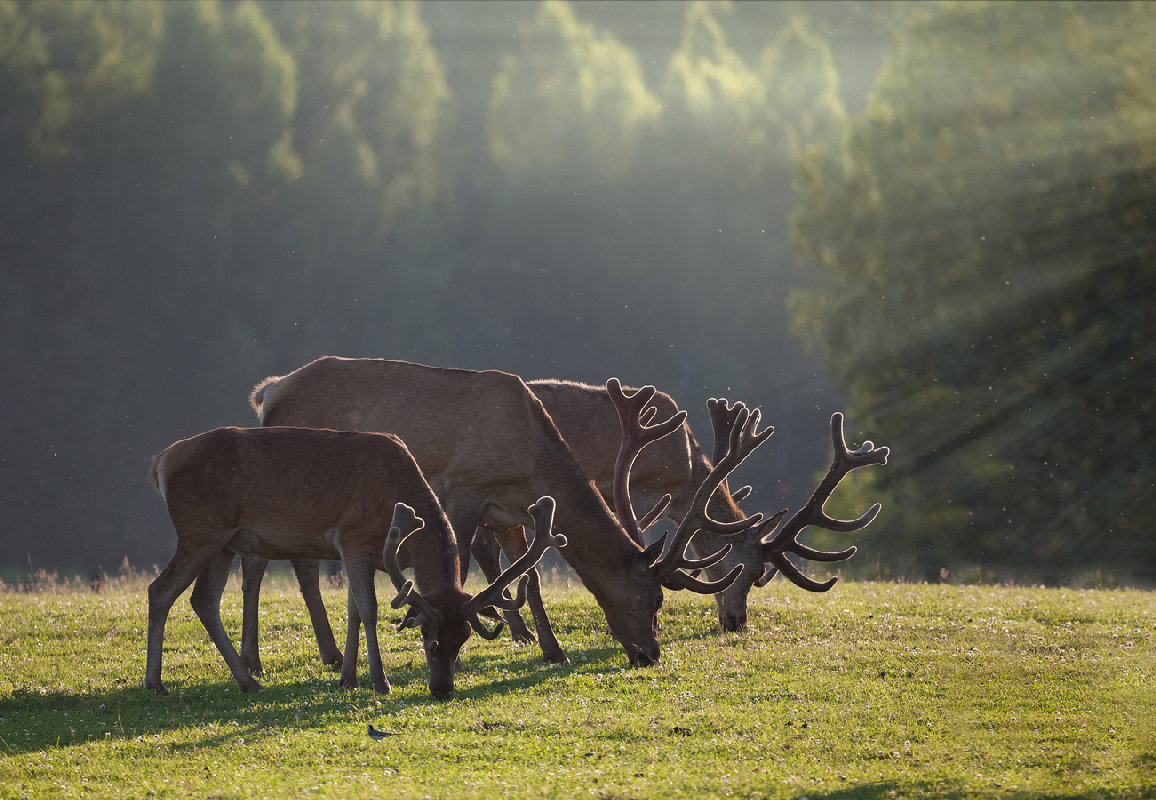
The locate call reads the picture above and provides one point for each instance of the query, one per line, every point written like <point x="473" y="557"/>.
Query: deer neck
<point x="433" y="550"/>
<point x="598" y="548"/>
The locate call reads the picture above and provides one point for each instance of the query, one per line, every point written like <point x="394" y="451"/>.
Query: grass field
<point x="871" y="691"/>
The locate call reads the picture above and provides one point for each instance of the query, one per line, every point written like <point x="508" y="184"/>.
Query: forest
<point x="936" y="217"/>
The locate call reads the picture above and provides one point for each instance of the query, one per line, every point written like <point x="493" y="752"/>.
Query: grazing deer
<point x="587" y="418"/>
<point x="485" y="444"/>
<point x="277" y="493"/>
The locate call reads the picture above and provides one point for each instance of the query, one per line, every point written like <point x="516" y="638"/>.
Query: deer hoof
<point x="555" y="657"/>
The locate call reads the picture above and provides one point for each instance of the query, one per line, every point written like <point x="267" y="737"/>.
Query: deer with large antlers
<point x="485" y="444"/>
<point x="277" y="493"/>
<point x="675" y="464"/>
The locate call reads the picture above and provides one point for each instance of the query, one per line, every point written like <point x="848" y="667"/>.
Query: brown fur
<point x="489" y="449"/>
<point x="278" y="493"/>
<point x="675" y="465"/>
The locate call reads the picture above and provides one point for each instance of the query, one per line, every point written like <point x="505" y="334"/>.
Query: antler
<point x="786" y="539"/>
<point x="722" y="419"/>
<point x="742" y="440"/>
<point x="634" y="418"/>
<point x="420" y="612"/>
<point x="543" y="514"/>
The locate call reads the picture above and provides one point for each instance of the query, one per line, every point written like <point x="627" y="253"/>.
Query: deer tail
<point x="257" y="396"/>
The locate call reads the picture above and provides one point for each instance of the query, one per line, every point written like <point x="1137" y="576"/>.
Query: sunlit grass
<point x="868" y="691"/>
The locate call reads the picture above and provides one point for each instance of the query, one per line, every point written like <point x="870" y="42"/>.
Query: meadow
<point x="873" y="690"/>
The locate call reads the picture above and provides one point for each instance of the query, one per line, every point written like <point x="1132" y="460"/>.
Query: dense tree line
<point x="200" y="194"/>
<point x="991" y="221"/>
<point x="196" y="195"/>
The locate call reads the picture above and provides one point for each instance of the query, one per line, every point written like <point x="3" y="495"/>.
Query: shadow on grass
<point x="36" y="720"/>
<point x="892" y="789"/>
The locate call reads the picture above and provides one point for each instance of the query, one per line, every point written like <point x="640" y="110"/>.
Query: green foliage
<point x="373" y="98"/>
<point x="567" y="89"/>
<point x="200" y="194"/>
<point x="152" y="218"/>
<point x="802" y="85"/>
<point x="706" y="77"/>
<point x="64" y="65"/>
<point x="871" y="690"/>
<point x="988" y="220"/>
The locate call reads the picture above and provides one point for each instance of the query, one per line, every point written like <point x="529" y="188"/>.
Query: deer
<point x="485" y="443"/>
<point x="585" y="415"/>
<point x="293" y="493"/>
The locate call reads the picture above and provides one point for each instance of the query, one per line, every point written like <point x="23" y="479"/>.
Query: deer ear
<point x="653" y="551"/>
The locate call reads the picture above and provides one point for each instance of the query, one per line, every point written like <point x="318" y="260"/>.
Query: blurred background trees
<point x="989" y="220"/>
<point x="934" y="216"/>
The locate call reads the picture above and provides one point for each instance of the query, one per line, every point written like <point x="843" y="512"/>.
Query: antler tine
<point x="786" y="539"/>
<point x="543" y="514"/>
<point x="634" y="417"/>
<point x="654" y="513"/>
<point x="742" y="440"/>
<point x="722" y="418"/>
<point x="405" y="522"/>
<point x="681" y="580"/>
<point x="404" y="517"/>
<point x="694" y="565"/>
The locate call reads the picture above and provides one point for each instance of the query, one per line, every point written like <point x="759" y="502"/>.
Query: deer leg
<point x="308" y="578"/>
<point x="465" y="515"/>
<point x="352" y="639"/>
<point x="206" y="602"/>
<point x="181" y="571"/>
<point x="252" y="573"/>
<point x="489" y="557"/>
<point x="513" y="543"/>
<point x="360" y="572"/>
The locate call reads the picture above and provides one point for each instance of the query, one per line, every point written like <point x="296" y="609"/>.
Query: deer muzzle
<point x="643" y="656"/>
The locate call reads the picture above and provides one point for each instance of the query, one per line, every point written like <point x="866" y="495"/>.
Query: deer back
<point x="588" y="422"/>
<point x="285" y="491"/>
<point x="674" y="465"/>
<point x="478" y="433"/>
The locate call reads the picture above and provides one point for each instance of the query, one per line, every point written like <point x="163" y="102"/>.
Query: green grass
<point x="871" y="691"/>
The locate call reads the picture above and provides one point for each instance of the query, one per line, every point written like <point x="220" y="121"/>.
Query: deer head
<point x="445" y="626"/>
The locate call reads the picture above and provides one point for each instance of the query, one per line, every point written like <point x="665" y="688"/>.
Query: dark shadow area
<point x="885" y="790"/>
<point x="34" y="721"/>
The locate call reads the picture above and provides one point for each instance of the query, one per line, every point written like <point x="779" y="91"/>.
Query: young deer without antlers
<point x="278" y="493"/>
<point x="585" y="415"/>
<point x="485" y="444"/>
